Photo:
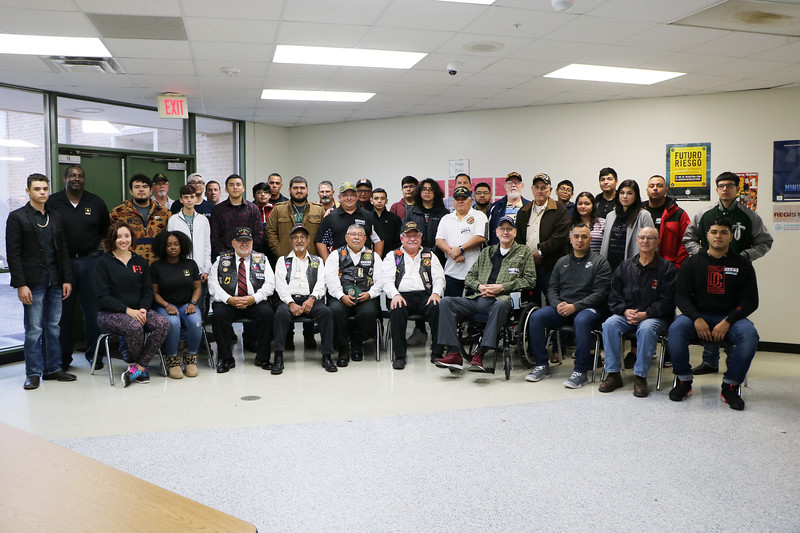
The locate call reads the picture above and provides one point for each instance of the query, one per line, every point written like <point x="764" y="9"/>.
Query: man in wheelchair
<point x="500" y="270"/>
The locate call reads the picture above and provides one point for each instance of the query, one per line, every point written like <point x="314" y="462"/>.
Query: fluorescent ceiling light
<point x="6" y="158"/>
<point x="16" y="143"/>
<point x="316" y="96"/>
<point x="98" y="126"/>
<point x="43" y="45"/>
<point x="612" y="74"/>
<point x="483" y="2"/>
<point x="345" y="57"/>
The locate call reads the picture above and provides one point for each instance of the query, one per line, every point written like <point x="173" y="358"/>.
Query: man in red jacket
<point x="671" y="221"/>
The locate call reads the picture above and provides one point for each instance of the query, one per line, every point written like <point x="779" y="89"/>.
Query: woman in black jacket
<point x="427" y="212"/>
<point x="125" y="297"/>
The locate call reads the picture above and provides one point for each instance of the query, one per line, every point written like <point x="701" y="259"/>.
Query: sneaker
<point x="681" y="390"/>
<point x="704" y="368"/>
<point x="143" y="377"/>
<point x="538" y="373"/>
<point x="730" y="395"/>
<point x="451" y="360"/>
<point x="476" y="365"/>
<point x="130" y="375"/>
<point x="612" y="382"/>
<point x="417" y="338"/>
<point x="576" y="380"/>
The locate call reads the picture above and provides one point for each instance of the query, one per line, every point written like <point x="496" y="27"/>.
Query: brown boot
<point x="174" y="366"/>
<point x="640" y="387"/>
<point x="190" y="362"/>
<point x="612" y="382"/>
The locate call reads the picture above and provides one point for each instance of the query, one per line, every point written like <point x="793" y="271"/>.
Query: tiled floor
<point x="481" y="438"/>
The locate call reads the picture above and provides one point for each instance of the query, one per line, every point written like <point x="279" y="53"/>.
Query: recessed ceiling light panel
<point x="636" y="76"/>
<point x="43" y="45"/>
<point x="316" y="96"/>
<point x="345" y="57"/>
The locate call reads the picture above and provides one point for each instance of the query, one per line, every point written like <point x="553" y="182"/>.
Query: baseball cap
<point x="347" y="186"/>
<point x="542" y="177"/>
<point x="508" y="219"/>
<point x="243" y="234"/>
<point x="409" y="225"/>
<point x="364" y="181"/>
<point x="299" y="227"/>
<point x="462" y="191"/>
<point x="159" y="177"/>
<point x="514" y="175"/>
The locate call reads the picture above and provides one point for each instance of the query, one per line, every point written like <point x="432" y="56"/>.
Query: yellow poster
<point x="688" y="170"/>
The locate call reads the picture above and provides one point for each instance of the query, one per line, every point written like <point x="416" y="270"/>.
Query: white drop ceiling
<point x="534" y="39"/>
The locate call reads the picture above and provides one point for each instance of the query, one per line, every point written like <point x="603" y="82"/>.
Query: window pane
<point x="111" y="126"/>
<point x="215" y="148"/>
<point x="12" y="332"/>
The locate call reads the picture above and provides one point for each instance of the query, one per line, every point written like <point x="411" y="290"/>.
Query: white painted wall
<point x="266" y="151"/>
<point x="570" y="141"/>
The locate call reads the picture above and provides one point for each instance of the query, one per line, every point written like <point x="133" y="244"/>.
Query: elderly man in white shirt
<point x="241" y="280"/>
<point x="461" y="236"/>
<point x="300" y="286"/>
<point x="413" y="280"/>
<point x="354" y="282"/>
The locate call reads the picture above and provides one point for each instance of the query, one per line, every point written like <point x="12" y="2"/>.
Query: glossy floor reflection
<point x="371" y="448"/>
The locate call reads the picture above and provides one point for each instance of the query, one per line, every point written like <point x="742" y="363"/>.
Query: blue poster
<point x="786" y="171"/>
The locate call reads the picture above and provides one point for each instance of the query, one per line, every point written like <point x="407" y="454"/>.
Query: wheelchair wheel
<point x="521" y="333"/>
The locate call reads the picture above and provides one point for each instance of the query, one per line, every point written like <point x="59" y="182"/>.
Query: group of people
<point x="609" y="261"/>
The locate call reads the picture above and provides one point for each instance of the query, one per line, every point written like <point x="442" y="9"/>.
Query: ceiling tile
<point x="242" y="31"/>
<point x="443" y="16"/>
<point x="673" y="37"/>
<point x="313" y="34"/>
<point x="566" y="52"/>
<point x="231" y="52"/>
<point x="586" y="29"/>
<point x="38" y="22"/>
<point x="382" y="38"/>
<point x="483" y="79"/>
<point x="235" y="82"/>
<point x="658" y="12"/>
<point x="247" y="69"/>
<point x="741" y="44"/>
<point x="241" y="9"/>
<point x="358" y="12"/>
<point x="49" y="5"/>
<point x="623" y="56"/>
<point x="155" y="8"/>
<point x="145" y="48"/>
<point x="165" y="83"/>
<point x="521" y="23"/>
<point x="176" y="67"/>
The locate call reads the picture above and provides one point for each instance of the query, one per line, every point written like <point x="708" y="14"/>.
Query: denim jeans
<point x="42" y="349"/>
<point x="583" y="321"/>
<point x="190" y="325"/>
<point x="83" y="290"/>
<point x="742" y="335"/>
<point x="647" y="332"/>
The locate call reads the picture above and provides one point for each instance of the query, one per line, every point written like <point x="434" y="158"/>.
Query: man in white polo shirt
<point x="461" y="235"/>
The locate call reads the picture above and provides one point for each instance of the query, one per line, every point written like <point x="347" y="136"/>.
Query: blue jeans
<point x="583" y="321"/>
<point x="83" y="290"/>
<point x="42" y="349"/>
<point x="647" y="333"/>
<point x="191" y="325"/>
<point x="742" y="335"/>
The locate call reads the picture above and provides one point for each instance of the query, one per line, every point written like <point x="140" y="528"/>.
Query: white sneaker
<point x="576" y="380"/>
<point x="538" y="373"/>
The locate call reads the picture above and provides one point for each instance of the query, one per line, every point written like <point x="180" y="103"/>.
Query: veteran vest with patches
<point x="228" y="273"/>
<point x="359" y="275"/>
<point x="312" y="271"/>
<point x="424" y="268"/>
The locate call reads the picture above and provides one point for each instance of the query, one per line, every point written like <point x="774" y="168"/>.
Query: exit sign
<point x="173" y="106"/>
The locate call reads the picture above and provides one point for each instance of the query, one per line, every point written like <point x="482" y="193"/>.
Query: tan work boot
<point x="190" y="362"/>
<point x="174" y="366"/>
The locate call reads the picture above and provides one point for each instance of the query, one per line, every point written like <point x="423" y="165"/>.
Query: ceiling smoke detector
<point x="562" y="5"/>
<point x="230" y="71"/>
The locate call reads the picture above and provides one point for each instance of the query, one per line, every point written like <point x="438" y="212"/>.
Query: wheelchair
<point x="509" y="336"/>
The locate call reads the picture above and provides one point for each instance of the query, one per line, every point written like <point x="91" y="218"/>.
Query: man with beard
<point x="147" y="217"/>
<point x="331" y="233"/>
<point x="325" y="192"/>
<point x="161" y="191"/>
<point x="85" y="218"/>
<point x="284" y="217"/>
<point x="483" y="198"/>
<point x="507" y="206"/>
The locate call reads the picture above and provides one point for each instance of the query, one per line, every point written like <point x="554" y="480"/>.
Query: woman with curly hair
<point x="176" y="292"/>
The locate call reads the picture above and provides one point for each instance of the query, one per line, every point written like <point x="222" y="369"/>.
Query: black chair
<point x="570" y="330"/>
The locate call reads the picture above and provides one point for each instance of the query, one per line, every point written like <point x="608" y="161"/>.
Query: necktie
<point x="242" y="281"/>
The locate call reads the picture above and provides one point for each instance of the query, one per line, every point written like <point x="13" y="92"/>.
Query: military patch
<point x="470" y="220"/>
<point x="367" y="256"/>
<point x="425" y="254"/>
<point x="226" y="280"/>
<point x="426" y="262"/>
<point x="256" y="259"/>
<point x="226" y="262"/>
<point x="513" y="270"/>
<point x="186" y="272"/>
<point x="87" y="211"/>
<point x="314" y="264"/>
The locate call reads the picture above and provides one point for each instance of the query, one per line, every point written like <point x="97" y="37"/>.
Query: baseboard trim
<point x="780" y="347"/>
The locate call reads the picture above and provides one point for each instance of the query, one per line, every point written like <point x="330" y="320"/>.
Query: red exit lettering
<point x="173" y="107"/>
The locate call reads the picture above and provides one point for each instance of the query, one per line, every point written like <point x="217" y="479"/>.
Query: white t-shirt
<point x="457" y="232"/>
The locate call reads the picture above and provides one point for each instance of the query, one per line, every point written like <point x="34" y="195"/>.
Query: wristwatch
<point x="193" y="302"/>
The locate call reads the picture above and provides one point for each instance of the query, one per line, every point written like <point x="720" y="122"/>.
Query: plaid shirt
<point x="156" y="223"/>
<point x="517" y="271"/>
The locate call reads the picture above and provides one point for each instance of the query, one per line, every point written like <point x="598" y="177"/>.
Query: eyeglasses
<point x="482" y="192"/>
<point x="506" y="229"/>
<point x="352" y="234"/>
<point x="725" y="186"/>
<point x="646" y="238"/>
<point x="196" y="182"/>
<point x="427" y="189"/>
<point x="565" y="189"/>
